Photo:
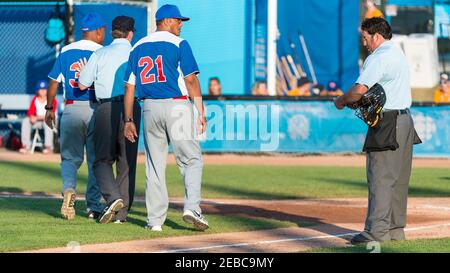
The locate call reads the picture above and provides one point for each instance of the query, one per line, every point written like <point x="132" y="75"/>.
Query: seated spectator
<point x="372" y="10"/>
<point x="35" y="119"/>
<point x="442" y="93"/>
<point x="260" y="89"/>
<point x="317" y="89"/>
<point x="303" y="88"/>
<point x="332" y="90"/>
<point x="214" y="87"/>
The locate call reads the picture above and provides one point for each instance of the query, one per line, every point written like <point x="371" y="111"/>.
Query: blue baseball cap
<point x="170" y="11"/>
<point x="41" y="85"/>
<point x="92" y="21"/>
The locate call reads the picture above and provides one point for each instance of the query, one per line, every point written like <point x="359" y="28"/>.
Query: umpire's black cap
<point x="123" y="23"/>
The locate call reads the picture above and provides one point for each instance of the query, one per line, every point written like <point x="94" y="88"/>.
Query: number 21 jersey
<point x="158" y="64"/>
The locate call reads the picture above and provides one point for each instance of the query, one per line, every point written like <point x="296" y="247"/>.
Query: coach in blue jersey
<point x="163" y="70"/>
<point x="76" y="118"/>
<point x="107" y="67"/>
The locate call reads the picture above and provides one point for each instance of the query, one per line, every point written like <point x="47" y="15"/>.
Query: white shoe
<point x="195" y="218"/>
<point x="154" y="228"/>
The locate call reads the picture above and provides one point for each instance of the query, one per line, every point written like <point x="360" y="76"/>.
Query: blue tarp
<point x="226" y="47"/>
<point x="220" y="34"/>
<point x="411" y="3"/>
<point x="108" y="12"/>
<point x="330" y="30"/>
<point x="223" y="46"/>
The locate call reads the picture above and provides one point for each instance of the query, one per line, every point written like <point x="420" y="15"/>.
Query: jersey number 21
<point x="148" y="64"/>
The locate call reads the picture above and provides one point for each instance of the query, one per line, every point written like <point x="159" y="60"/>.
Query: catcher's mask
<point x="369" y="107"/>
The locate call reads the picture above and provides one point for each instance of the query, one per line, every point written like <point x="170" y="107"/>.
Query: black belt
<point x="115" y="99"/>
<point x="400" y="111"/>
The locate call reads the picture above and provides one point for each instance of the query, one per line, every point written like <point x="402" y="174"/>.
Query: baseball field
<point x="277" y="203"/>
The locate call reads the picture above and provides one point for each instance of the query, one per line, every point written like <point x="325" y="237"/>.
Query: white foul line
<point x="261" y="242"/>
<point x="434" y="207"/>
<point x="427" y="227"/>
<point x="290" y="240"/>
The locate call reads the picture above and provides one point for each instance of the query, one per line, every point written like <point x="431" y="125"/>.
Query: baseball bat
<point x="282" y="71"/>
<point x="279" y="86"/>
<point x="308" y="58"/>
<point x="283" y="79"/>
<point x="297" y="57"/>
<point x="292" y="81"/>
<point x="293" y="66"/>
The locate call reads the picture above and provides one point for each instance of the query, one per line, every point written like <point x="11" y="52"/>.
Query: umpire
<point x="107" y="68"/>
<point x="388" y="170"/>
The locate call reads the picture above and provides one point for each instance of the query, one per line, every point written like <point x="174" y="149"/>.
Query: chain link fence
<point x="25" y="57"/>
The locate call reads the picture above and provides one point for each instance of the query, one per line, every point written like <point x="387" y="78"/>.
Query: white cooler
<point x="422" y="54"/>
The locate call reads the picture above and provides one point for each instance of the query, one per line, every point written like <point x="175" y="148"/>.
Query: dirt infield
<point x="356" y="160"/>
<point x="331" y="222"/>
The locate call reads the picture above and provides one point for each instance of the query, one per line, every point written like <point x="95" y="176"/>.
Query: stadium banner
<point x="307" y="127"/>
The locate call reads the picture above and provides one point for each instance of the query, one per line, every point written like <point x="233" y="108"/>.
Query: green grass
<point x="35" y="223"/>
<point x="441" y="245"/>
<point x="237" y="181"/>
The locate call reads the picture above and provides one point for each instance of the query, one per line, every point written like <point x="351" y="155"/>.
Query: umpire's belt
<point x="400" y="111"/>
<point x="113" y="99"/>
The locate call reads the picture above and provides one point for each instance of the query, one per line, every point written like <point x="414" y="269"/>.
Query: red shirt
<point x="32" y="110"/>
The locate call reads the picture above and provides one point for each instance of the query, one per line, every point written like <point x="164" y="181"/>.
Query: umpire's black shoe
<point x="360" y="239"/>
<point x="93" y="215"/>
<point x="110" y="211"/>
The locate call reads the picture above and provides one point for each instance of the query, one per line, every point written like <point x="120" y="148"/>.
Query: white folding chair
<point x="37" y="140"/>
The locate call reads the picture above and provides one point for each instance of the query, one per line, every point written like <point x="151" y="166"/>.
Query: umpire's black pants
<point x="111" y="146"/>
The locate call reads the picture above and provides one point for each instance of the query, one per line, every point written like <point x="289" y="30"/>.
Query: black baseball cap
<point x="302" y="81"/>
<point x="123" y="23"/>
